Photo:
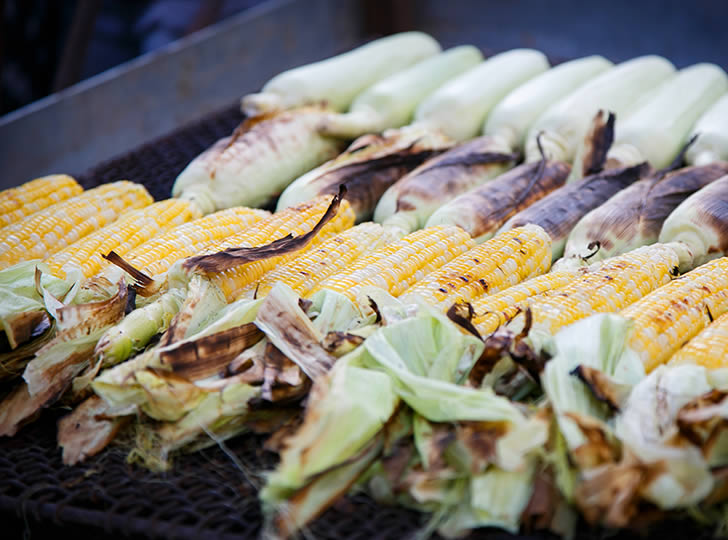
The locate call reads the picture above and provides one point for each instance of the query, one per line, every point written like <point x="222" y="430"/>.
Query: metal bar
<point x="143" y="99"/>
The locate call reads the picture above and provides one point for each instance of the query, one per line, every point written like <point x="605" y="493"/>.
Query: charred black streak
<point x="595" y="247"/>
<point x="462" y="315"/>
<point x="142" y="280"/>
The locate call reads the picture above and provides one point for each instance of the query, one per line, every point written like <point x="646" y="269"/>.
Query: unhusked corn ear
<point x="42" y="234"/>
<point x="614" y="285"/>
<point x="16" y="203"/>
<point x="296" y="220"/>
<point x="668" y="317"/>
<point x="396" y="266"/>
<point x="709" y="348"/>
<point x="495" y="310"/>
<point x="501" y="262"/>
<point x="121" y="236"/>
<point x="316" y="264"/>
<point x="157" y="255"/>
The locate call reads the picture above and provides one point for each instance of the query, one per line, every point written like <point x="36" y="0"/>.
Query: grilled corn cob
<point x="484" y="209"/>
<point x="398" y="265"/>
<point x="712" y="135"/>
<point x="42" y="234"/>
<point x="391" y="102"/>
<point x="634" y="216"/>
<point x="314" y="265"/>
<point x="260" y="158"/>
<point x="504" y="261"/>
<point x="673" y="314"/>
<point x="617" y="90"/>
<point x="659" y="129"/>
<point x="338" y="80"/>
<point x="709" y="348"/>
<point x="460" y="114"/>
<point x="560" y="210"/>
<point x="124" y="234"/>
<point x="492" y="311"/>
<point x="409" y="202"/>
<point x="614" y="285"/>
<point x="142" y="324"/>
<point x="16" y="203"/>
<point x="701" y="222"/>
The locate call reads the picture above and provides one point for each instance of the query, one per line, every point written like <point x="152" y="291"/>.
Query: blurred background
<point x="86" y="80"/>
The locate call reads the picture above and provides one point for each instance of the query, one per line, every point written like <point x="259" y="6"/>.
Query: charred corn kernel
<point x="16" y="203"/>
<point x="709" y="348"/>
<point x="501" y="262"/>
<point x="673" y="314"/>
<point x="157" y="255"/>
<point x="396" y="266"/>
<point x="121" y="236"/>
<point x="296" y="220"/>
<point x="617" y="283"/>
<point x="42" y="234"/>
<point x="316" y="264"/>
<point x="495" y="310"/>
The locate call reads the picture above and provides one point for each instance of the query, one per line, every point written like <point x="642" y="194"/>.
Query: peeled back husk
<point x="336" y="81"/>
<point x="712" y="132"/>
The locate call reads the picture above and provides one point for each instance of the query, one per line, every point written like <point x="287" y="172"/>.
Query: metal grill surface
<point x="208" y="495"/>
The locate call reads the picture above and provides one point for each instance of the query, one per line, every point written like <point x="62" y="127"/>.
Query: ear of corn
<point x="484" y="209"/>
<point x="329" y="257"/>
<point x="712" y="132"/>
<point x="492" y="311"/>
<point x="17" y="203"/>
<point x="258" y="161"/>
<point x="617" y="90"/>
<point x="460" y="106"/>
<point x="501" y="262"/>
<point x="701" y="222"/>
<point x="658" y="130"/>
<point x="560" y="210"/>
<point x="634" y="216"/>
<point x="42" y="234"/>
<point x="411" y="200"/>
<point x="398" y="265"/>
<point x="157" y="255"/>
<point x="338" y="80"/>
<point x="709" y="348"/>
<point x="616" y="284"/>
<point x="121" y="236"/>
<point x="673" y="314"/>
<point x="391" y="102"/>
<point x="511" y="118"/>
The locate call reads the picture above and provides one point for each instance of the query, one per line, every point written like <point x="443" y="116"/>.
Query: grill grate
<point x="206" y="495"/>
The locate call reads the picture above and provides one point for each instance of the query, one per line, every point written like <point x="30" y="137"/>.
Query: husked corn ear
<point x="495" y="310"/>
<point x="709" y="348"/>
<point x="16" y="203"/>
<point x="501" y="262"/>
<point x="297" y="220"/>
<point x="617" y="283"/>
<point x="316" y="264"/>
<point x="42" y="234"/>
<point x="668" y="317"/>
<point x="157" y="255"/>
<point x="121" y="236"/>
<point x="396" y="266"/>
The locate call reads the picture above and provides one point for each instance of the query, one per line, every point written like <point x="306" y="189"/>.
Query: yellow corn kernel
<point x="396" y="266"/>
<point x="499" y="263"/>
<point x="121" y="236"/>
<point x="16" y="203"/>
<point x="673" y="314"/>
<point x="708" y="349"/>
<point x="42" y="234"/>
